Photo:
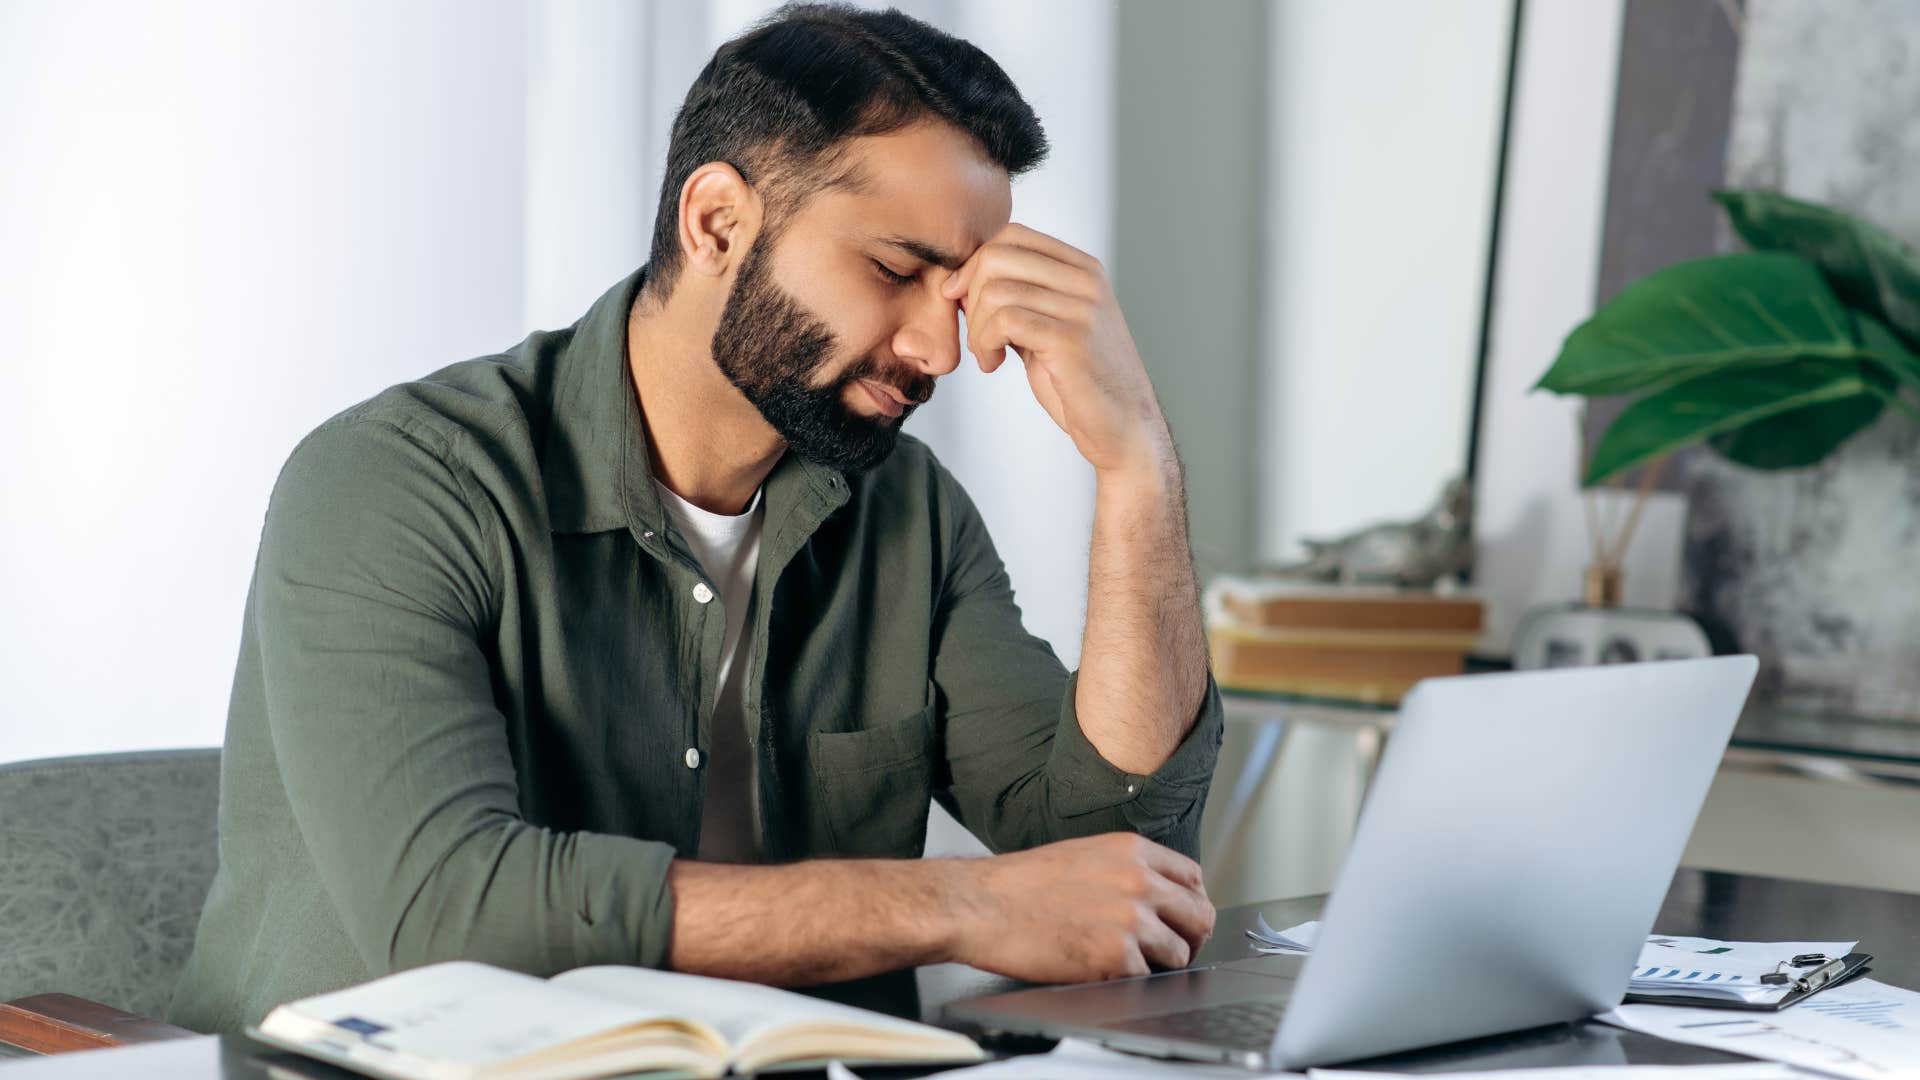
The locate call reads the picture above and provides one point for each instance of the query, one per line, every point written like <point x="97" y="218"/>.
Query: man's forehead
<point x="929" y="191"/>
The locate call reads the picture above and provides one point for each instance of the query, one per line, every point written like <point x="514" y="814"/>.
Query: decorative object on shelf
<point x="1434" y="547"/>
<point x="1353" y="643"/>
<point x="1576" y="635"/>
<point x="1772" y="358"/>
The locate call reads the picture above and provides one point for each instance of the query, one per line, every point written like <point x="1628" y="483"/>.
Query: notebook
<point x="471" y="1021"/>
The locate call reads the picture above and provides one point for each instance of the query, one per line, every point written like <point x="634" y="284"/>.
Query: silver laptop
<point x="1515" y="847"/>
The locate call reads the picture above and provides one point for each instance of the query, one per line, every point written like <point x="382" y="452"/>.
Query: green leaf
<point x="1799" y="438"/>
<point x="1802" y="410"/>
<point x="1882" y="349"/>
<point x="1869" y="268"/>
<point x="1704" y="315"/>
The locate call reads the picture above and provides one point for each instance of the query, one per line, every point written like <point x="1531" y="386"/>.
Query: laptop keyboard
<point x="1242" y="1024"/>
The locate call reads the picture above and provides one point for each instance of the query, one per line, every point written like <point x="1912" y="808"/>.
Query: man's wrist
<point x="1151" y="475"/>
<point x="952" y="885"/>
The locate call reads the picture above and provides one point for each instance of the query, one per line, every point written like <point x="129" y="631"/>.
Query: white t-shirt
<point x="728" y="548"/>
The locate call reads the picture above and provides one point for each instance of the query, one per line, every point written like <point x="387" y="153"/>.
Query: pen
<point x="1820" y="976"/>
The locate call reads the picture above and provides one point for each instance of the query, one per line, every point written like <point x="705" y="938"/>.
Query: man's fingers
<point x="1022" y="236"/>
<point x="1185" y="910"/>
<point x="989" y="333"/>
<point x="1019" y="327"/>
<point x="1172" y="864"/>
<point x="1021" y="264"/>
<point x="1162" y="945"/>
<point x="1003" y="292"/>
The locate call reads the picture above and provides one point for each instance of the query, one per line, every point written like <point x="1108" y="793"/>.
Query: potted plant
<point x="1772" y="357"/>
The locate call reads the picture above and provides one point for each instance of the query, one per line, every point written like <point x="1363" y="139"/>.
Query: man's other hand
<point x="1096" y="907"/>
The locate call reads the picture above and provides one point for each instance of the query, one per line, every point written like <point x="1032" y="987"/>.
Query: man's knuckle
<point x="1144" y="919"/>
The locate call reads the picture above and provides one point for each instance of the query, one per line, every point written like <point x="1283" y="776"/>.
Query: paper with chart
<point x="1759" y="1070"/>
<point x="1862" y="1029"/>
<point x="1669" y="964"/>
<point x="1690" y="966"/>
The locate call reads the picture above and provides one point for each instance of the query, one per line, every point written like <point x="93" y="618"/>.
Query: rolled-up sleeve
<point x="1020" y="770"/>
<point x="374" y="592"/>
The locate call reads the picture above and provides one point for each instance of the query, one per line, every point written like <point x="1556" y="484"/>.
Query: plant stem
<point x="1580" y="471"/>
<point x="1648" y="479"/>
<point x="1893" y="398"/>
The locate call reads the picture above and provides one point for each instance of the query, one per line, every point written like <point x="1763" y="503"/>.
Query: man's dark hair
<point x="777" y="102"/>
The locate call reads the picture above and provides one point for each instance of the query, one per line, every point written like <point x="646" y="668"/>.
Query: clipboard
<point x="1855" y="964"/>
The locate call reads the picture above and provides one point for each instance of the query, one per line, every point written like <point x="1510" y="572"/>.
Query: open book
<point x="463" y="1020"/>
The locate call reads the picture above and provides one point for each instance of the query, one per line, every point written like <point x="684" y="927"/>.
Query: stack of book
<point x="1354" y="643"/>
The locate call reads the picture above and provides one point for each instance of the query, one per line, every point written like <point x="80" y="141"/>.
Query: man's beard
<point x="771" y="348"/>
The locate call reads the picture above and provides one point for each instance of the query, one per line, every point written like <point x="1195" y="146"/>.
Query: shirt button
<point x="1131" y="787"/>
<point x="693" y="757"/>
<point x="701" y="593"/>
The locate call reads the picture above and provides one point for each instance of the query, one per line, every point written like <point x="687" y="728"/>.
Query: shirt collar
<point x="595" y="464"/>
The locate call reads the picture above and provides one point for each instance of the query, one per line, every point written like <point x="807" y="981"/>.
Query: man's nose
<point x="930" y="340"/>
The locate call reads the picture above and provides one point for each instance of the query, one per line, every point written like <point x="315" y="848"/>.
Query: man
<point x="651" y="640"/>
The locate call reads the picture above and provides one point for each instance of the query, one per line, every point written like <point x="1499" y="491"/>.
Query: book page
<point x="741" y="1011"/>
<point x="458" y="1013"/>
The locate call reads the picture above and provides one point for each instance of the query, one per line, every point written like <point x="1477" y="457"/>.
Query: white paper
<point x="1759" y="1070"/>
<point x="1862" y="1029"/>
<point x="1077" y="1059"/>
<point x="1291" y="941"/>
<point x="1671" y="964"/>
<point x="1668" y="963"/>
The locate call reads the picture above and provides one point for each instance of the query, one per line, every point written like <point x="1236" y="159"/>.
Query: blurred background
<point x="1349" y="238"/>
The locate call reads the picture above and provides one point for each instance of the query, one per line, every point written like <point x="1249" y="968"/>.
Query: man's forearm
<point x="806" y="923"/>
<point x="1143" y="662"/>
<point x="1093" y="907"/>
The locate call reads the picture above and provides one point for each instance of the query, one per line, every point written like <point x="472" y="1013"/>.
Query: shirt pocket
<point x="875" y="786"/>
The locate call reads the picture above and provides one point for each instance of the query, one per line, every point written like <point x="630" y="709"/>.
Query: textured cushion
<point x="104" y="864"/>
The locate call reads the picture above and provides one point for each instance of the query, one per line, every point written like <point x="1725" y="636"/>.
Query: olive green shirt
<point x="477" y="675"/>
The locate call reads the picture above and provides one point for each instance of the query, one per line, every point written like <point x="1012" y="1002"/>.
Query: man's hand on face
<point x="1096" y="907"/>
<point x="1052" y="304"/>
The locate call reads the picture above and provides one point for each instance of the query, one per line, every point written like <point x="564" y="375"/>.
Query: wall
<point x="1548" y="261"/>
<point x="1379" y="136"/>
<point x="1188" y="204"/>
<point x="603" y="78"/>
<point x="206" y="260"/>
<point x="203" y="259"/>
<point x="1382" y="134"/>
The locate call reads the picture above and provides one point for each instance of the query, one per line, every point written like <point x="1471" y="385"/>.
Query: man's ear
<point x="720" y="214"/>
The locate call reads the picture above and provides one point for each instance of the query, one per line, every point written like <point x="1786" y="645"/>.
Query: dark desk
<point x="1705" y="904"/>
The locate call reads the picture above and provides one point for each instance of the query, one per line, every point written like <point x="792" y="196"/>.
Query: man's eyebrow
<point x="925" y="252"/>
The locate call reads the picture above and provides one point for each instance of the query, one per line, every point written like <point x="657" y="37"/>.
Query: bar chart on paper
<point x="1861" y="1029"/>
<point x="1879" y="1012"/>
